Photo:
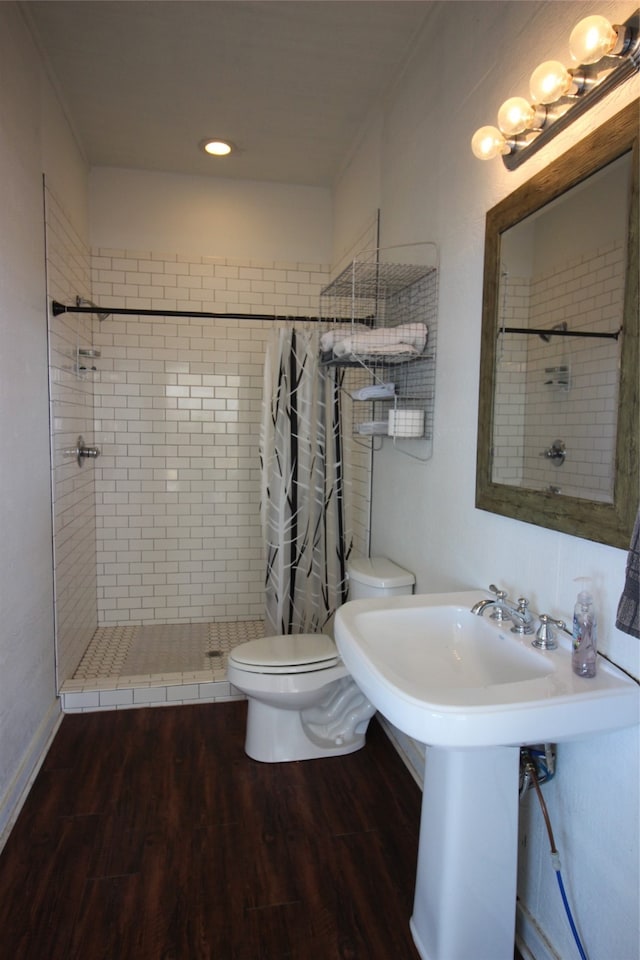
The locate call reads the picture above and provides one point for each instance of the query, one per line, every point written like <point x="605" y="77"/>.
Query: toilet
<point x="303" y="703"/>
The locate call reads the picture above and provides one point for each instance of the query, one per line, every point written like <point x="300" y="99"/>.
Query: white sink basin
<point x="450" y="678"/>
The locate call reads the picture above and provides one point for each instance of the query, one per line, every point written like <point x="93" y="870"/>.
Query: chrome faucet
<point x="498" y="612"/>
<point x="520" y="616"/>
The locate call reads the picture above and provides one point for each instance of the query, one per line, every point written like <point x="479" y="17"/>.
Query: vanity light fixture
<point x="216" y="148"/>
<point x="603" y="55"/>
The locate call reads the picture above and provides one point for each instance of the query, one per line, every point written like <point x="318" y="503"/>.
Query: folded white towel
<point x="377" y="391"/>
<point x="353" y="347"/>
<point x="368" y="342"/>
<point x="338" y="332"/>
<point x="413" y="333"/>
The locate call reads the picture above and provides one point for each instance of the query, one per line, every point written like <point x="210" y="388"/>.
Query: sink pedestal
<point x="465" y="897"/>
<point x="470" y="688"/>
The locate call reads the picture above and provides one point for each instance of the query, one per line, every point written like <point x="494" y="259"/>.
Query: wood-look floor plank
<point x="150" y="835"/>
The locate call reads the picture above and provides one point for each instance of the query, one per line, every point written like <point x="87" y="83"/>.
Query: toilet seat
<point x="287" y="653"/>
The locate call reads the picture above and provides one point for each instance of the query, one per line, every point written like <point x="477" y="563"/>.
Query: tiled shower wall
<point x="71" y="415"/>
<point x="510" y="391"/>
<point x="178" y="410"/>
<point x="586" y="294"/>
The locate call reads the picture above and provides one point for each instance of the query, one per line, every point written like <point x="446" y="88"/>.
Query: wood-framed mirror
<point x="558" y="424"/>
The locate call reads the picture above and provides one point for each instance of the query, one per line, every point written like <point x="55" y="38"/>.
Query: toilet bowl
<point x="303" y="703"/>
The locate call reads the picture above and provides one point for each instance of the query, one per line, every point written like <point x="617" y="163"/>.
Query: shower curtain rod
<point x="57" y="308"/>
<point x="561" y="333"/>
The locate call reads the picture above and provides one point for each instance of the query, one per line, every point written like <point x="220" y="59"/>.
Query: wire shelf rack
<point x="401" y="299"/>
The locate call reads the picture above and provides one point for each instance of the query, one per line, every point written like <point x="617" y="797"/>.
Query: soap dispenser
<point x="584" y="634"/>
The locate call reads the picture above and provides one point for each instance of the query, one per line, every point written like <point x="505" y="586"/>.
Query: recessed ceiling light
<point x="216" y="148"/>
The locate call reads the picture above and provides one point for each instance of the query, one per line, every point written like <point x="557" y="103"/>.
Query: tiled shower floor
<point x="141" y="666"/>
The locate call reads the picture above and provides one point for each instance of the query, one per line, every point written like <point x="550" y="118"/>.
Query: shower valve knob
<point x="82" y="452"/>
<point x="557" y="453"/>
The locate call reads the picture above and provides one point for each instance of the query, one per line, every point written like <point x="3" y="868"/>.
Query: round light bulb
<point x="591" y="39"/>
<point x="487" y="143"/>
<point x="217" y="148"/>
<point x="550" y="81"/>
<point x="515" y="116"/>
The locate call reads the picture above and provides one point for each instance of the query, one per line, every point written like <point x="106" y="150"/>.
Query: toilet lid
<point x="286" y="653"/>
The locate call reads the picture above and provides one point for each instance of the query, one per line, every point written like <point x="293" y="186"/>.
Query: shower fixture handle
<point x="82" y="452"/>
<point x="557" y="453"/>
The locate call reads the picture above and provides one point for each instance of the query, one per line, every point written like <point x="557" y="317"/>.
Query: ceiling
<point x="291" y="83"/>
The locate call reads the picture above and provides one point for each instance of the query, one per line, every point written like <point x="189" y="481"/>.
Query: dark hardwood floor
<point x="150" y="835"/>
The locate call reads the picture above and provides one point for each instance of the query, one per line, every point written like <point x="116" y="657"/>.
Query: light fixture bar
<point x="629" y="64"/>
<point x="559" y="94"/>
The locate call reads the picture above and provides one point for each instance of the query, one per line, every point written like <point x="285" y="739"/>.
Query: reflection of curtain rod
<point x="561" y="333"/>
<point x="104" y="312"/>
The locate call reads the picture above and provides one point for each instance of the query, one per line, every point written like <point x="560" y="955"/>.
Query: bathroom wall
<point x="35" y="138"/>
<point x="207" y="216"/>
<point x="178" y="413"/>
<point x="179" y="400"/>
<point x="71" y="415"/>
<point x="471" y="57"/>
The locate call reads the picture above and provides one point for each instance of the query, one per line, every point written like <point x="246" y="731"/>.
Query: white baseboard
<point x="16" y="793"/>
<point x="530" y="939"/>
<point x="409" y="750"/>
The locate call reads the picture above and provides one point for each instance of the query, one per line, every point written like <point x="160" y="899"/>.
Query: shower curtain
<point x="304" y="491"/>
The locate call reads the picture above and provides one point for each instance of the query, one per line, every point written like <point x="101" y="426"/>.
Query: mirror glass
<point x="558" y="427"/>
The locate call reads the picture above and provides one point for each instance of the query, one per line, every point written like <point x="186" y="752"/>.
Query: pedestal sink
<point x="475" y="693"/>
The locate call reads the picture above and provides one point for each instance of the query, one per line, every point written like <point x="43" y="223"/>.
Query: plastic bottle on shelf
<point x="584" y="635"/>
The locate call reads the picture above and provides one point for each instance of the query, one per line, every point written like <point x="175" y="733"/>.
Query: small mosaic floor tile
<point x="163" y="649"/>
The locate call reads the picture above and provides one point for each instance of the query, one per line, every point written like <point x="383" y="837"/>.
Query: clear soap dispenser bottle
<point x="584" y="636"/>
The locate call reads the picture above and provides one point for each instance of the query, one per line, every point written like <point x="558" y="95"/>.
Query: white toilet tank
<point x="378" y="577"/>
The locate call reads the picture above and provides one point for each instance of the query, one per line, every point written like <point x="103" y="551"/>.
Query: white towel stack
<point x="338" y="332"/>
<point x="399" y="343"/>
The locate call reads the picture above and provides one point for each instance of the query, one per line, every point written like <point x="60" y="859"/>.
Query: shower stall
<point x="158" y="549"/>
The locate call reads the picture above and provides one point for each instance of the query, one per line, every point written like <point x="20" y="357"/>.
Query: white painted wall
<point x="33" y="138"/>
<point x="415" y="164"/>
<point x="207" y="217"/>
<point x="71" y="399"/>
<point x="432" y="188"/>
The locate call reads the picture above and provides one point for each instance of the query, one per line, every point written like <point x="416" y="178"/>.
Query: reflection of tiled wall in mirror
<point x="570" y="382"/>
<point x="510" y="383"/>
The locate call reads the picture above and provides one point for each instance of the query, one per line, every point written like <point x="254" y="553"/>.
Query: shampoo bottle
<point x="584" y="636"/>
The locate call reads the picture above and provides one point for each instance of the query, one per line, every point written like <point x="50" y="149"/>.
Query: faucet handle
<point x="498" y="610"/>
<point x="522" y="618"/>
<point x="500" y="594"/>
<point x="545" y="638"/>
